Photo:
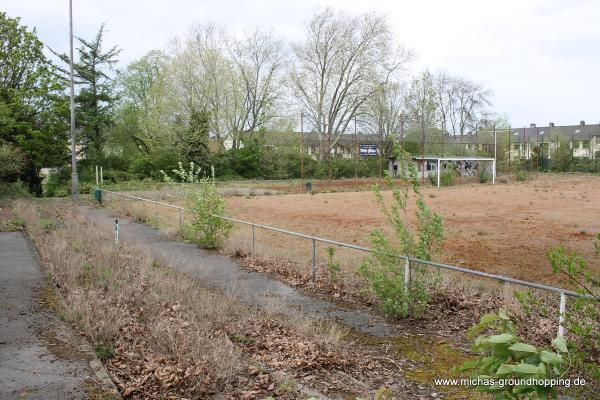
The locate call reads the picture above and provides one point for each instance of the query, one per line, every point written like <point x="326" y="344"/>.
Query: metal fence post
<point x="407" y="274"/>
<point x="561" y="316"/>
<point x="253" y="239"/>
<point x="116" y="232"/>
<point x="314" y="260"/>
<point x="180" y="223"/>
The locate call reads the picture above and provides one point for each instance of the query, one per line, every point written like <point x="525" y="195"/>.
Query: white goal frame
<point x="440" y="159"/>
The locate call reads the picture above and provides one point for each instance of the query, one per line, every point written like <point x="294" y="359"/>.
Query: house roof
<point x="467" y="158"/>
<point x="531" y="134"/>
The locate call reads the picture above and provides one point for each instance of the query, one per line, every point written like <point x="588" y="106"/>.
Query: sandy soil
<point x="504" y="229"/>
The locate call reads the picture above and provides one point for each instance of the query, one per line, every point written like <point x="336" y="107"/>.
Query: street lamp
<point x="74" y="177"/>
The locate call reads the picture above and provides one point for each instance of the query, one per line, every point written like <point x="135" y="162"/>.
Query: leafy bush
<point x="13" y="190"/>
<point x="384" y="268"/>
<point x="521" y="175"/>
<point x="12" y="162"/>
<point x="104" y="351"/>
<point x="583" y="318"/>
<point x="333" y="267"/>
<point x="433" y="179"/>
<point x="484" y="176"/>
<point x="446" y="178"/>
<point x="149" y="165"/>
<point x="205" y="205"/>
<point x="502" y="358"/>
<point x="12" y="224"/>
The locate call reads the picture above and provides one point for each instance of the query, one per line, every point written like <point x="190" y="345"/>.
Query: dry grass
<point x="127" y="298"/>
<point x="289" y="259"/>
<point x="164" y="336"/>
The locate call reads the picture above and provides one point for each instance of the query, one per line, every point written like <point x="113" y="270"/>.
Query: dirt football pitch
<point x="504" y="228"/>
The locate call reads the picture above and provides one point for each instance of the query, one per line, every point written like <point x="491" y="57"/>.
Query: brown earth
<point x="504" y="229"/>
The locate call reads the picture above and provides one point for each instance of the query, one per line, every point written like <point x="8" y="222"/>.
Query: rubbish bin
<point x="308" y="186"/>
<point x="98" y="195"/>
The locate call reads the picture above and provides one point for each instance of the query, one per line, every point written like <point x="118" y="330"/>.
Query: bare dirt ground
<point x="504" y="229"/>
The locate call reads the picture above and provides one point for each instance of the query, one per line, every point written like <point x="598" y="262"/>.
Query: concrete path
<point x="222" y="272"/>
<point x="39" y="357"/>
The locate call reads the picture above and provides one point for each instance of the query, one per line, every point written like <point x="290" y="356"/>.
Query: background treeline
<point x="216" y="98"/>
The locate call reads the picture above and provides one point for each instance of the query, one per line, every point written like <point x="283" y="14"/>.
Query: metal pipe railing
<point x="408" y="260"/>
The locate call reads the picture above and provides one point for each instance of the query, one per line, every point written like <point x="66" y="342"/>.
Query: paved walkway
<point x="222" y="272"/>
<point x="38" y="359"/>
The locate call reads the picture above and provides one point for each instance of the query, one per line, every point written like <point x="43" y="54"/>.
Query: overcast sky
<point x="541" y="58"/>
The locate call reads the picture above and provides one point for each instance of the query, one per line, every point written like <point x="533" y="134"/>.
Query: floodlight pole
<point x="495" y="157"/>
<point x="302" y="149"/>
<point x="355" y="153"/>
<point x="495" y="143"/>
<point x="74" y="176"/>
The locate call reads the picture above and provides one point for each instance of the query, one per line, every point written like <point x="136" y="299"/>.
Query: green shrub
<point x="583" y="318"/>
<point x="46" y="224"/>
<point x="446" y="178"/>
<point x="521" y="175"/>
<point x="205" y="205"/>
<point x="384" y="268"/>
<point x="582" y="321"/>
<point x="103" y="351"/>
<point x="502" y="357"/>
<point x="13" y="190"/>
<point x="12" y="162"/>
<point x="484" y="176"/>
<point x="432" y="179"/>
<point x="12" y="224"/>
<point x="333" y="267"/>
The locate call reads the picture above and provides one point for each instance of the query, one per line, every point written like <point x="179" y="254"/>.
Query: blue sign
<point x="367" y="149"/>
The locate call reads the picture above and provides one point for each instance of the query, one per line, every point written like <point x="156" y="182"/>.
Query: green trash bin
<point x="98" y="195"/>
<point x="308" y="186"/>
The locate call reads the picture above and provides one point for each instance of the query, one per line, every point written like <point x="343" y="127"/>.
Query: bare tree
<point x="237" y="81"/>
<point x="385" y="111"/>
<point x="341" y="63"/>
<point x="214" y="87"/>
<point x="422" y="104"/>
<point x="143" y="107"/>
<point x="467" y="104"/>
<point x="259" y="62"/>
<point x="444" y="90"/>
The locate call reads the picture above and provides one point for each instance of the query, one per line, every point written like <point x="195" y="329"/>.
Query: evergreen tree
<point x="193" y="142"/>
<point x="96" y="96"/>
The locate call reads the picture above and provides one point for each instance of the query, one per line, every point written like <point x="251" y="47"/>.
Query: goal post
<point x="459" y="159"/>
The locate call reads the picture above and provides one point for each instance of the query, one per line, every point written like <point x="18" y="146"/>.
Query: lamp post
<point x="74" y="176"/>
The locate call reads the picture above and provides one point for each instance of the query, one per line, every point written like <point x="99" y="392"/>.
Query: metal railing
<point x="407" y="260"/>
